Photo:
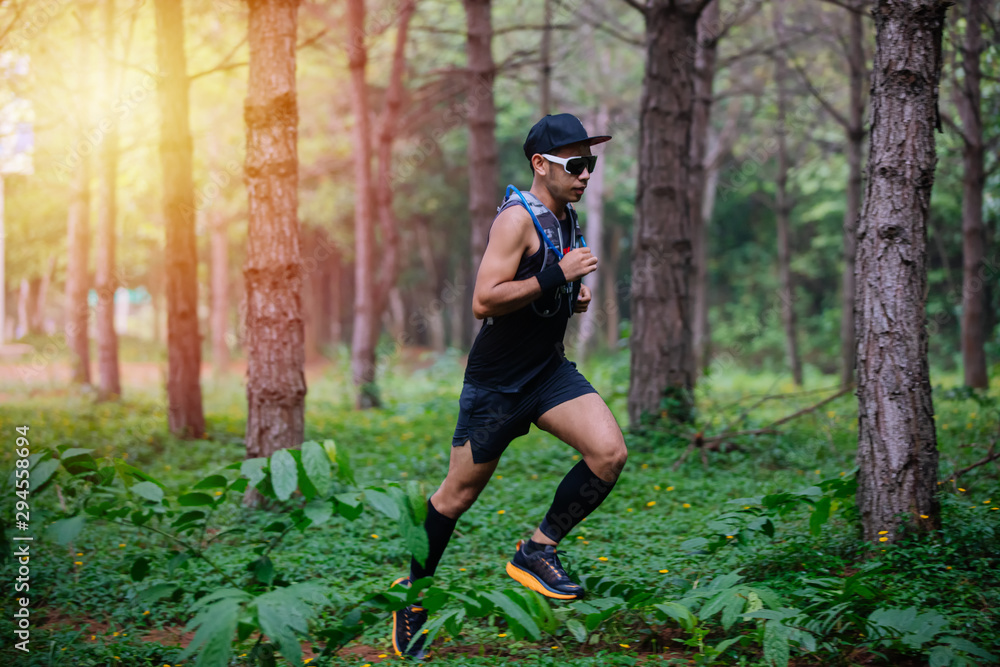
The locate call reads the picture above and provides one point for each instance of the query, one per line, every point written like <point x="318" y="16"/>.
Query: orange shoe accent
<point x="528" y="581"/>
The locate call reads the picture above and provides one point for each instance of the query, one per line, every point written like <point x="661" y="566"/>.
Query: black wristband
<point x="550" y="277"/>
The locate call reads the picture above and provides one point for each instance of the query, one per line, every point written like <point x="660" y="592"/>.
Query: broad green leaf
<point x="41" y="473"/>
<point x="941" y="656"/>
<point x="316" y="464"/>
<point x="140" y="568"/>
<point x="318" y="511"/>
<point x="253" y="470"/>
<point x="679" y="613"/>
<point x="965" y="645"/>
<point x="148" y="490"/>
<point x="415" y="537"/>
<point x="212" y="482"/>
<point x="155" y="592"/>
<point x="65" y="530"/>
<point x="576" y="629"/>
<point x="73" y="452"/>
<point x="776" y="651"/>
<point x="263" y="569"/>
<point x="195" y="499"/>
<point x="284" y="615"/>
<point x="418" y="503"/>
<point x="382" y="502"/>
<point x="330" y="447"/>
<point x="731" y="612"/>
<point x="819" y="516"/>
<point x="513" y="612"/>
<point x="212" y="642"/>
<point x="284" y="475"/>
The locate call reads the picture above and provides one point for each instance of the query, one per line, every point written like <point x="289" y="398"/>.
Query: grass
<point x="636" y="535"/>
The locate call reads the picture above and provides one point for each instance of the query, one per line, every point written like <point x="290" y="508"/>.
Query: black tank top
<point x="512" y="350"/>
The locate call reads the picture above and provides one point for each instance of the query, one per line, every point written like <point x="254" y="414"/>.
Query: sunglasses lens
<point x="575" y="166"/>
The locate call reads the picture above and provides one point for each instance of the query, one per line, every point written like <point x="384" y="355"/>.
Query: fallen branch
<point x="699" y="441"/>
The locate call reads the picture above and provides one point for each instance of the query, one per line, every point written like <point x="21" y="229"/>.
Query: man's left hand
<point x="582" y="300"/>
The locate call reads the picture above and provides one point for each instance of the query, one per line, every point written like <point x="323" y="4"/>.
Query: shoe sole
<point x="529" y="580"/>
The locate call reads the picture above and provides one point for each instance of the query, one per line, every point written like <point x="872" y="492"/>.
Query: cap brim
<point x="591" y="141"/>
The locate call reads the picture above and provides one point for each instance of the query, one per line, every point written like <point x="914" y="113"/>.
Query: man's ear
<point x="540" y="162"/>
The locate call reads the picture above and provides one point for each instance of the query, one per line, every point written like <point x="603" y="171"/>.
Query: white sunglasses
<point x="574" y="165"/>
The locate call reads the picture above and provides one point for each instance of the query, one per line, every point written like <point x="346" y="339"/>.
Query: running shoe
<point x="543" y="573"/>
<point x="406" y="623"/>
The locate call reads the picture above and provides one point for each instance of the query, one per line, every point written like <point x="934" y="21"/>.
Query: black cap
<point x="552" y="132"/>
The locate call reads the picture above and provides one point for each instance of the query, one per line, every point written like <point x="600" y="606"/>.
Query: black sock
<point x="579" y="494"/>
<point x="439" y="529"/>
<point x="532" y="546"/>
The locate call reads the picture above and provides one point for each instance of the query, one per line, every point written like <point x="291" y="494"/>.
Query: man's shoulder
<point x="513" y="221"/>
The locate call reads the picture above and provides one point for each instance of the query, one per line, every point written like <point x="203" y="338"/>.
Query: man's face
<point x="560" y="184"/>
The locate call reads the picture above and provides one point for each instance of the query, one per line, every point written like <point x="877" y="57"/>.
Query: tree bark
<point x="545" y="67"/>
<point x="897" y="446"/>
<point x="705" y="59"/>
<point x="219" y="268"/>
<point x="590" y="320"/>
<point x="109" y="379"/>
<point x="366" y="324"/>
<point x="855" y="135"/>
<point x="610" y="300"/>
<point x="78" y="235"/>
<point x="483" y="156"/>
<point x="662" y="361"/>
<point x="432" y="318"/>
<point x="185" y="415"/>
<point x="276" y="383"/>
<point x="43" y="293"/>
<point x="783" y="209"/>
<point x="968" y="99"/>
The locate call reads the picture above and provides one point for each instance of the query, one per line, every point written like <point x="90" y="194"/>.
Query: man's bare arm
<point x="496" y="292"/>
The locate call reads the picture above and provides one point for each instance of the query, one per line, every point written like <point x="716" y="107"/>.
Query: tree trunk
<point x="610" y="301"/>
<point x="366" y="323"/>
<point x="545" y="67"/>
<point x="783" y="209"/>
<point x="705" y="58"/>
<point x="43" y="292"/>
<point x="219" y="268"/>
<point x="969" y="102"/>
<point x="431" y="318"/>
<point x="23" y="306"/>
<point x="484" y="168"/>
<point x="855" y="132"/>
<point x="897" y="446"/>
<point x="590" y="320"/>
<point x="78" y="236"/>
<point x="276" y="383"/>
<point x="662" y="362"/>
<point x="185" y="415"/>
<point x="109" y="379"/>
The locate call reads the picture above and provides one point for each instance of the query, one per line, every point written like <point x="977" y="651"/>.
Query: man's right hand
<point x="577" y="263"/>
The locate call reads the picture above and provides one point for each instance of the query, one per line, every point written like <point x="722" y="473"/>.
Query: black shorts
<point x="490" y="420"/>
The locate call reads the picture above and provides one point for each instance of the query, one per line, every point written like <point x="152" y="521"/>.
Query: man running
<point x="517" y="374"/>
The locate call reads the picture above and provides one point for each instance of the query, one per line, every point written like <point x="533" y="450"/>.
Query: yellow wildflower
<point x="374" y="536"/>
<point x="882" y="539"/>
<point x="670" y="488"/>
<point x="502" y="634"/>
<point x="645" y="465"/>
<point x="501" y="511"/>
<point x="664" y="571"/>
<point x="650" y="503"/>
<point x="686" y="505"/>
<point x="883" y="532"/>
<point x="603" y="558"/>
<point x="624" y="645"/>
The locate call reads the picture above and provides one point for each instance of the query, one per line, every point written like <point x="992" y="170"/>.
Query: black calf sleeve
<point x="439" y="529"/>
<point x="579" y="494"/>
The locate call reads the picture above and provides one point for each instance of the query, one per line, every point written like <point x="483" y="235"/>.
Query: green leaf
<point x="679" y="613"/>
<point x="65" y="530"/>
<point x="318" y="511"/>
<point x="284" y="615"/>
<point x="576" y="629"/>
<point x="41" y="473"/>
<point x="284" y="475"/>
<point x="731" y="612"/>
<point x="418" y="503"/>
<point x="330" y="447"/>
<point x="960" y="644"/>
<point x="73" y="452"/>
<point x="140" y="568"/>
<point x="382" y="502"/>
<point x="253" y="470"/>
<point x="212" y="482"/>
<point x="216" y="624"/>
<point x="415" y="538"/>
<point x="148" y="490"/>
<point x="263" y="569"/>
<point x="316" y="464"/>
<point x="195" y="499"/>
<point x="517" y="617"/>
<point x="941" y="656"/>
<point x="820" y="514"/>
<point x="155" y="592"/>
<point x="776" y="651"/>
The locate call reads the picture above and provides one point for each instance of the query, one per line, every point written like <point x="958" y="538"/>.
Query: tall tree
<point x="366" y="327"/>
<point x="78" y="229"/>
<point x="483" y="156"/>
<point x="545" y="66"/>
<point x="968" y="99"/>
<point x="783" y="204"/>
<point x="109" y="380"/>
<point x="184" y="413"/>
<point x="662" y="362"/>
<point x="276" y="383"/>
<point x="897" y="445"/>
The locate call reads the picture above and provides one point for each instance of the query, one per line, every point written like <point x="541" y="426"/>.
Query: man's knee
<point x="454" y="500"/>
<point x="610" y="460"/>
